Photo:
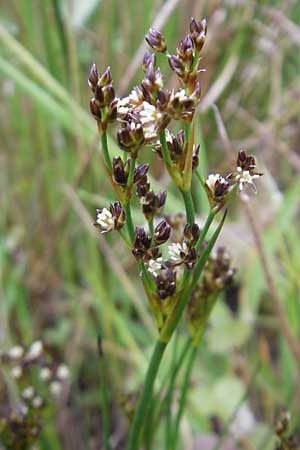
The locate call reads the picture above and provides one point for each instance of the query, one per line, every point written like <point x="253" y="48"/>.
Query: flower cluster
<point x="219" y="188"/>
<point x="35" y="374"/>
<point x="245" y="172"/>
<point x="178" y="148"/>
<point x="185" y="63"/>
<point x="110" y="219"/>
<point x="217" y="275"/>
<point x="104" y="103"/>
<point x="287" y="440"/>
<point x="151" y="203"/>
<point x="144" y="118"/>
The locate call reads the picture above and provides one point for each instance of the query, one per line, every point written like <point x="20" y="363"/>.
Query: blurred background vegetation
<point x="62" y="282"/>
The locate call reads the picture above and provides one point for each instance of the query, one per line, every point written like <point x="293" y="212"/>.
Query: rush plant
<point x="178" y="266"/>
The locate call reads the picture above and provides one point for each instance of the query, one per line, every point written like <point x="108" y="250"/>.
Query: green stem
<point x="146" y="395"/>
<point x="129" y="221"/>
<point x="158" y="404"/>
<point x="131" y="172"/>
<point x="125" y="238"/>
<point x="151" y="229"/>
<point x="204" y="230"/>
<point x="105" y="150"/>
<point x="164" y="148"/>
<point x="184" y="390"/>
<point x="189" y="206"/>
<point x="176" y="313"/>
<point x="169" y="395"/>
<point x="165" y="336"/>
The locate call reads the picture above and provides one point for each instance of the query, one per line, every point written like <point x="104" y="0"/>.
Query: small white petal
<point x="28" y="393"/>
<point x="16" y="352"/>
<point x="62" y="372"/>
<point x="55" y="388"/>
<point x="16" y="372"/>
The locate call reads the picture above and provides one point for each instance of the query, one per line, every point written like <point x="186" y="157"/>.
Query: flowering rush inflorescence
<point x="36" y="375"/>
<point x="170" y="259"/>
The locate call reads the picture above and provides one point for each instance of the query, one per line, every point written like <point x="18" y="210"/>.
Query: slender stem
<point x="175" y="315"/>
<point x="146" y="395"/>
<point x="189" y="206"/>
<point x="204" y="230"/>
<point x="162" y="404"/>
<point x="131" y="172"/>
<point x="164" y="148"/>
<point x="125" y="238"/>
<point x="187" y="128"/>
<point x="105" y="150"/>
<point x="151" y="229"/>
<point x="165" y="336"/>
<point x="129" y="221"/>
<point x="170" y="395"/>
<point x="104" y="397"/>
<point x="184" y="390"/>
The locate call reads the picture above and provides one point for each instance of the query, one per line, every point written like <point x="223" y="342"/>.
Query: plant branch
<point x="189" y="206"/>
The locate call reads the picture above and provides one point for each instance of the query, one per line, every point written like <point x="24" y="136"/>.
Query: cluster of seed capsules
<point x="37" y="377"/>
<point x="286" y="439"/>
<point x="142" y="120"/>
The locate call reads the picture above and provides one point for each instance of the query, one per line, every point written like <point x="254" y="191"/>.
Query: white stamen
<point x="45" y="374"/>
<point x="175" y="249"/>
<point x="35" y="350"/>
<point x="16" y="352"/>
<point x="62" y="372"/>
<point x="154" y="265"/>
<point x="105" y="220"/>
<point x="28" y="393"/>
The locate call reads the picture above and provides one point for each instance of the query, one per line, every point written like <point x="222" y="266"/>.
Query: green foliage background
<point x="61" y="281"/>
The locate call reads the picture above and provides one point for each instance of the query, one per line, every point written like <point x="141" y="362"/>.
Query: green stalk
<point x="129" y="221"/>
<point x="131" y="172"/>
<point x="204" y="230"/>
<point x="157" y="403"/>
<point x="164" y="148"/>
<point x="146" y="395"/>
<point x="105" y="150"/>
<point x="184" y="390"/>
<point x="161" y="344"/>
<point x="151" y="229"/>
<point x="175" y="315"/>
<point x="169" y="395"/>
<point x="189" y="206"/>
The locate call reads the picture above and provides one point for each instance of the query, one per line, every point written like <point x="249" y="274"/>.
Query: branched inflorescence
<point x="171" y="255"/>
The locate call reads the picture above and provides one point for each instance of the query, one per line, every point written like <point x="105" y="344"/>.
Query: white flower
<point x="244" y="422"/>
<point x="105" y="219"/>
<point x="127" y="103"/>
<point x="28" y="393"/>
<point x="154" y="266"/>
<point x="55" y="388"/>
<point x="62" y="372"/>
<point x="16" y="372"/>
<point x="16" y="352"/>
<point x="35" y="350"/>
<point x="181" y="95"/>
<point x="45" y="373"/>
<point x="175" y="250"/>
<point x="244" y="177"/>
<point x="150" y="118"/>
<point x="212" y="179"/>
<point x="37" y="402"/>
<point x="169" y="137"/>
